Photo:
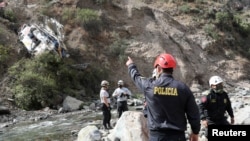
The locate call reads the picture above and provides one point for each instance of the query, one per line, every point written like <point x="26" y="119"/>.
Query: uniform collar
<point x="166" y="75"/>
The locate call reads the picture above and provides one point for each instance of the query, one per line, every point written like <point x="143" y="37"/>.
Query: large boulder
<point x="71" y="104"/>
<point x="131" y="126"/>
<point x="89" y="133"/>
<point x="4" y="110"/>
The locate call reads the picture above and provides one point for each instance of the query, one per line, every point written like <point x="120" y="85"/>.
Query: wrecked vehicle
<point x="37" y="39"/>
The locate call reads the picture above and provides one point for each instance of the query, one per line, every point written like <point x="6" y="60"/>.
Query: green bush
<point x="117" y="49"/>
<point x="34" y="91"/>
<point x="4" y="53"/>
<point x="34" y="86"/>
<point x="242" y="26"/>
<point x="184" y="9"/>
<point x="84" y="16"/>
<point x="210" y="30"/>
<point x="10" y="15"/>
<point x="223" y="21"/>
<point x="38" y="82"/>
<point x="3" y="38"/>
<point x="87" y="18"/>
<point x="68" y="14"/>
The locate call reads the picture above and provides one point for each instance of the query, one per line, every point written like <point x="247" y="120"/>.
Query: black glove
<point x="122" y="95"/>
<point x="128" y="97"/>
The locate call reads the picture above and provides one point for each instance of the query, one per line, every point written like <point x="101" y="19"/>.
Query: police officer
<point x="122" y="94"/>
<point x="105" y="100"/>
<point x="215" y="104"/>
<point x="170" y="103"/>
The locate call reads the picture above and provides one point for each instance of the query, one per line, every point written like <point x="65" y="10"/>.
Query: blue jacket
<point x="169" y="102"/>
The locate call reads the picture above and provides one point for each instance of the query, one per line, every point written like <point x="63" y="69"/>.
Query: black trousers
<point x="106" y="116"/>
<point x="122" y="106"/>
<point x="167" y="135"/>
<point x="222" y="121"/>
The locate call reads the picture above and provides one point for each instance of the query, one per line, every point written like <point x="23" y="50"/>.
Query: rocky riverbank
<point x="49" y="124"/>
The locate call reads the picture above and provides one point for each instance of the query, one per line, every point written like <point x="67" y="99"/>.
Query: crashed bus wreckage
<point x="37" y="40"/>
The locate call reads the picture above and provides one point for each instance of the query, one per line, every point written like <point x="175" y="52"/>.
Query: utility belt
<point x="217" y="118"/>
<point x="166" y="132"/>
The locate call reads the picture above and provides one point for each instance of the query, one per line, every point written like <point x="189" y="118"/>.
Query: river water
<point x="64" y="127"/>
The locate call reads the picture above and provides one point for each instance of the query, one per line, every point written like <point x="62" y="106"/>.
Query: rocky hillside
<point x="202" y="44"/>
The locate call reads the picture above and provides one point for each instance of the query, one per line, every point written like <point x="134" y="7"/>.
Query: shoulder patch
<point x="203" y="99"/>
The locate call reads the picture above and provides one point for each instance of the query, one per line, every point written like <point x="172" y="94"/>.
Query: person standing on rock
<point x="105" y="100"/>
<point x="121" y="94"/>
<point x="215" y="104"/>
<point x="170" y="103"/>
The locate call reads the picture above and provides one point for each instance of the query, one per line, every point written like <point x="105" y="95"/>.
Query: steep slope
<point x="151" y="30"/>
<point x="147" y="29"/>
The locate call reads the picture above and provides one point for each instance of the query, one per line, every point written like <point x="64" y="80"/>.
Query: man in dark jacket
<point x="170" y="103"/>
<point x="215" y="104"/>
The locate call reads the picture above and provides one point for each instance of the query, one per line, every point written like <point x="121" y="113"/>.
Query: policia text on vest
<point x="165" y="91"/>
<point x="241" y="132"/>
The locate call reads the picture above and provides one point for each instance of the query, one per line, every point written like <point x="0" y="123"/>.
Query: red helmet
<point x="165" y="61"/>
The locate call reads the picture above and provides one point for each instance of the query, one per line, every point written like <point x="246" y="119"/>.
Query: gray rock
<point x="4" y="110"/>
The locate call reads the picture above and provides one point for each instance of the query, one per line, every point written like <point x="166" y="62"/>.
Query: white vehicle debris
<point x="37" y="39"/>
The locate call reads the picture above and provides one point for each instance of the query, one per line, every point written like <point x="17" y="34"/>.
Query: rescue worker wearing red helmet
<point x="170" y="103"/>
<point x="215" y="104"/>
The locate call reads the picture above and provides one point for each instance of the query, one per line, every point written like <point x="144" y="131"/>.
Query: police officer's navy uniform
<point x="166" y="122"/>
<point x="213" y="107"/>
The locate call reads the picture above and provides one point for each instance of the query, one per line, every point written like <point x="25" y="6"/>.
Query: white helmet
<point x="120" y="82"/>
<point x="214" y="80"/>
<point x="104" y="83"/>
